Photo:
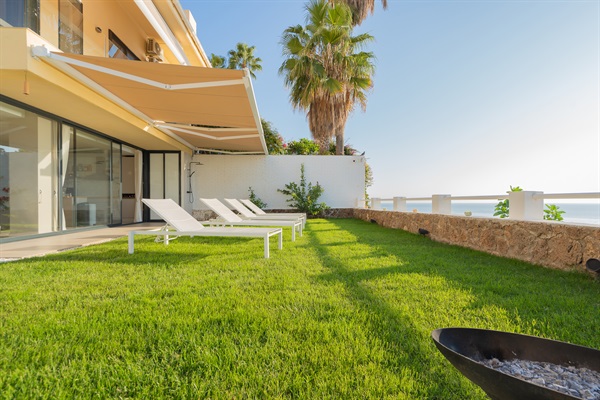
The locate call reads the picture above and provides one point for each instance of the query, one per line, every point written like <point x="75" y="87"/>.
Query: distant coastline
<point x="575" y="213"/>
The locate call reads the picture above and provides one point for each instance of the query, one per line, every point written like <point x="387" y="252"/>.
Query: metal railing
<point x="524" y="205"/>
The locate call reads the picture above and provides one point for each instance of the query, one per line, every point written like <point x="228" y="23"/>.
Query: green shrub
<point x="304" y="197"/>
<point x="273" y="139"/>
<point x="303" y="146"/>
<point x="553" y="213"/>
<point x="255" y="199"/>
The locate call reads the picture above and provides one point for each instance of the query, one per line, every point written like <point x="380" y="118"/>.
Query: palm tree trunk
<point x="339" y="144"/>
<point x="323" y="143"/>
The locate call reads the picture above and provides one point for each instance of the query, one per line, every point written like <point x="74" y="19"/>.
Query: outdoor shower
<point x="190" y="192"/>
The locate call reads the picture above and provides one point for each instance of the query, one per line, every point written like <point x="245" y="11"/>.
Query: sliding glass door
<point x="87" y="182"/>
<point x="28" y="173"/>
<point x="164" y="178"/>
<point x="57" y="176"/>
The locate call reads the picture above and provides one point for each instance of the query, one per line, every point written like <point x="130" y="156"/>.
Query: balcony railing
<point x="524" y="205"/>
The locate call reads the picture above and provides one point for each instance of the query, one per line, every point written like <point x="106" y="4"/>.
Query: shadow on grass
<point x="408" y="353"/>
<point x="535" y="300"/>
<point x="523" y="288"/>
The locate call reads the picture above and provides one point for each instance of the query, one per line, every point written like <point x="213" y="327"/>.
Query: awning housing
<point x="204" y="108"/>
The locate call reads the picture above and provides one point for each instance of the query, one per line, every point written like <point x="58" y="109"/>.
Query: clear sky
<point x="469" y="96"/>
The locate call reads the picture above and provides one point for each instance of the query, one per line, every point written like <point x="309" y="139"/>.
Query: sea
<point x="575" y="213"/>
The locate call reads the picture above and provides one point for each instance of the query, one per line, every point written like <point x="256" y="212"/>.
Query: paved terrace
<point x="52" y="244"/>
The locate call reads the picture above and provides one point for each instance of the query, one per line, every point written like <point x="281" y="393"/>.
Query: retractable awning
<point x="204" y="108"/>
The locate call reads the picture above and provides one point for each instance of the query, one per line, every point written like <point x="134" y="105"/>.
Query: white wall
<point x="342" y="178"/>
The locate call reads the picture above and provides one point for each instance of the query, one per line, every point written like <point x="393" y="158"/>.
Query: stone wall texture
<point x="550" y="244"/>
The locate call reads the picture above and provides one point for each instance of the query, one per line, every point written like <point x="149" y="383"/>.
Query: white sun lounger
<point x="182" y="223"/>
<point x="228" y="217"/>
<point x="258" y="211"/>
<point x="246" y="213"/>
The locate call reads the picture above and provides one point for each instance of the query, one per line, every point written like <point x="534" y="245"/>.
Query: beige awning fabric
<point x="205" y="108"/>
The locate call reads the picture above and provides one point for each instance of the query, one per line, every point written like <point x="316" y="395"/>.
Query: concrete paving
<point x="52" y="244"/>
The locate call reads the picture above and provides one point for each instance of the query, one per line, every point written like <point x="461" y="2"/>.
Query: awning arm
<point x="124" y="75"/>
<point x="254" y="107"/>
<point x="197" y="149"/>
<point x="192" y="130"/>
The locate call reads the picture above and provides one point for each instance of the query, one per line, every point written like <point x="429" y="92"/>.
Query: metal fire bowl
<point x="463" y="347"/>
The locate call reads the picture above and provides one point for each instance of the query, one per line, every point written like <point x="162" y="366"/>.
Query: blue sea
<point x="575" y="213"/>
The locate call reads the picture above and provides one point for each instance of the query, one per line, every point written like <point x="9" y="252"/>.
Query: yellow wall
<point x="124" y="18"/>
<point x="49" y="21"/>
<point x="110" y="15"/>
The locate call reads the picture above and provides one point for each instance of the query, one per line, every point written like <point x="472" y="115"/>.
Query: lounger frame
<point x="181" y="223"/>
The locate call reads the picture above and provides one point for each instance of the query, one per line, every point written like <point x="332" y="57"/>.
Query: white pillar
<point x="46" y="177"/>
<point x="400" y="204"/>
<point x="441" y="204"/>
<point x="523" y="206"/>
<point x="376" y="203"/>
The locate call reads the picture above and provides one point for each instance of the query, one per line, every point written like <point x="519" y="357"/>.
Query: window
<point x="70" y="31"/>
<point x="118" y="49"/>
<point x="20" y="13"/>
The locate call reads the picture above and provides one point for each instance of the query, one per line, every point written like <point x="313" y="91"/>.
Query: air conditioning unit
<point x="153" y="50"/>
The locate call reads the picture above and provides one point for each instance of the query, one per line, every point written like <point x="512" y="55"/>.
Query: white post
<point x="400" y="204"/>
<point x="441" y="204"/>
<point x="376" y="203"/>
<point x="360" y="203"/>
<point x="523" y="206"/>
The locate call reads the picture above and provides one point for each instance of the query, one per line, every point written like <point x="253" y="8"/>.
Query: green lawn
<point x="345" y="312"/>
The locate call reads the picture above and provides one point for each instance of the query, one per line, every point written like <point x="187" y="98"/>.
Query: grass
<point x="346" y="311"/>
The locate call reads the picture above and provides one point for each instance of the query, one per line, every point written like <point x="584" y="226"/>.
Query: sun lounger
<point x="228" y="217"/>
<point x="258" y="211"/>
<point x="181" y="223"/>
<point x="246" y="213"/>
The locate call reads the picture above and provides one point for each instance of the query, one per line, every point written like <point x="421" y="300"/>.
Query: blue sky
<point x="470" y="97"/>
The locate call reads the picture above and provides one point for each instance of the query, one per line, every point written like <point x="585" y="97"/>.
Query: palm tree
<point x="324" y="70"/>
<point x="243" y="57"/>
<point x="217" y="61"/>
<point x="360" y="8"/>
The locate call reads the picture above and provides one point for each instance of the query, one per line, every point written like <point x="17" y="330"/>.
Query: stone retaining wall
<point x="550" y="244"/>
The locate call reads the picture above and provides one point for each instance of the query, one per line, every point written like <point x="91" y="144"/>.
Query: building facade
<point x="103" y="103"/>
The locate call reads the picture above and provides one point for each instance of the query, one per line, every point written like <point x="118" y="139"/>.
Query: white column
<point x="376" y="203"/>
<point x="523" y="206"/>
<point x="441" y="204"/>
<point x="400" y="204"/>
<point x="45" y="176"/>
